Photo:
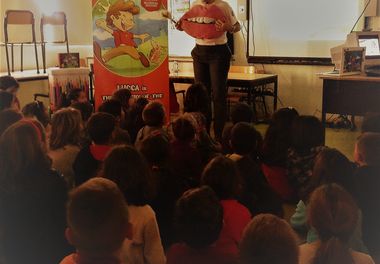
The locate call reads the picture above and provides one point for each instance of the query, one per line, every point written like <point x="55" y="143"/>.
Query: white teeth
<point x="208" y="20"/>
<point x="201" y="20"/>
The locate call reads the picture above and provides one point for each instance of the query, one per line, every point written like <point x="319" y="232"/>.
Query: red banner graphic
<point x="130" y="49"/>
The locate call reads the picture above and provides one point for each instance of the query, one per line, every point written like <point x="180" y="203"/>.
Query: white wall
<point x="299" y="86"/>
<point x="79" y="16"/>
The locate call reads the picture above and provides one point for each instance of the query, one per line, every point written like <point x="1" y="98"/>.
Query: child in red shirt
<point x="199" y="220"/>
<point x="222" y="176"/>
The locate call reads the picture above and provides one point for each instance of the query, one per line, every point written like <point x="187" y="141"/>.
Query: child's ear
<point x="129" y="231"/>
<point x="69" y="236"/>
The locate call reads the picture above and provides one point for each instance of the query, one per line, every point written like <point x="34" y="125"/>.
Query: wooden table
<point x="235" y="79"/>
<point x="350" y="95"/>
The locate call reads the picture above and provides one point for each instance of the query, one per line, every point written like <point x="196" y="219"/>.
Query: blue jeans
<point x="211" y="65"/>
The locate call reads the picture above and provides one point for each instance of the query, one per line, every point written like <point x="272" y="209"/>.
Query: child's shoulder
<point x="70" y="259"/>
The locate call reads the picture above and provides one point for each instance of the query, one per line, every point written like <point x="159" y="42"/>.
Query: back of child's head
<point x="331" y="166"/>
<point x="123" y="96"/>
<point x="154" y="114"/>
<point x="7" y="118"/>
<point x="85" y="108"/>
<point x="183" y="129"/>
<point x="307" y="132"/>
<point x="196" y="98"/>
<point x="23" y="159"/>
<point x="66" y="128"/>
<point x="222" y="176"/>
<point x="76" y="95"/>
<point x="244" y="138"/>
<point x="333" y="213"/>
<point x="241" y="112"/>
<point x="112" y="107"/>
<point x="371" y="123"/>
<point x="125" y="166"/>
<point x="97" y="217"/>
<point x="156" y="149"/>
<point x="199" y="217"/>
<point x="8" y="83"/>
<point x="367" y="149"/>
<point x="37" y="110"/>
<point x="268" y="239"/>
<point x="278" y="137"/>
<point x="6" y="100"/>
<point x="100" y="127"/>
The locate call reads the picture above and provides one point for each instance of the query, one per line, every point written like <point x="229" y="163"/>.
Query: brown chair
<point x="19" y="17"/>
<point x="57" y="19"/>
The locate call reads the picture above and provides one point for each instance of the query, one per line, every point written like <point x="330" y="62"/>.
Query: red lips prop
<point x="199" y="21"/>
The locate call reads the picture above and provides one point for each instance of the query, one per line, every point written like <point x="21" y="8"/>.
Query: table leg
<point x="275" y="95"/>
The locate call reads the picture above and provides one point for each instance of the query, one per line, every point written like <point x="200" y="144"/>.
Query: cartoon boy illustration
<point x="119" y="21"/>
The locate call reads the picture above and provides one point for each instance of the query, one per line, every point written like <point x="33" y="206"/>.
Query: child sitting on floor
<point x="100" y="128"/>
<point x="222" y="176"/>
<point x="367" y="178"/>
<point x="154" y="119"/>
<point x="126" y="167"/>
<point x="97" y="218"/>
<point x="199" y="221"/>
<point x="274" y="152"/>
<point x="268" y="239"/>
<point x="308" y="137"/>
<point x="185" y="158"/>
<point x="241" y="112"/>
<point x="255" y="194"/>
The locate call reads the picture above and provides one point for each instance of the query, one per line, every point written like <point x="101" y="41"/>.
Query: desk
<point x="235" y="79"/>
<point x="350" y="95"/>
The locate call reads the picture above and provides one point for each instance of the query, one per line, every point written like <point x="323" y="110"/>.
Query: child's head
<point x="97" y="217"/>
<point x="154" y="114"/>
<point x="307" y="132"/>
<point x="244" y="138"/>
<point x="268" y="239"/>
<point x="76" y="95"/>
<point x="199" y="217"/>
<point x="367" y="149"/>
<point x="222" y="176"/>
<point x="331" y="166"/>
<point x="371" y="123"/>
<point x="66" y="128"/>
<point x="38" y="111"/>
<point x="7" y="100"/>
<point x="241" y="112"/>
<point x="333" y="213"/>
<point x="125" y="166"/>
<point x="7" y="118"/>
<point x="196" y="99"/>
<point x="100" y="127"/>
<point x="9" y="84"/>
<point x="183" y="129"/>
<point x="23" y="159"/>
<point x="156" y="149"/>
<point x="124" y="96"/>
<point x="85" y="109"/>
<point x="112" y="107"/>
<point x="278" y="137"/>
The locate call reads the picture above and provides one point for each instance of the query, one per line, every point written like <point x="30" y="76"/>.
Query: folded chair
<point x="57" y="19"/>
<point x="20" y="18"/>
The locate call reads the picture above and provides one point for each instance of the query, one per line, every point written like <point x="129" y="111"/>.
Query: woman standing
<point x="211" y="55"/>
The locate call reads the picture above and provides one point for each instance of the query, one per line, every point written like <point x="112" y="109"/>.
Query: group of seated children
<point x="118" y="186"/>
